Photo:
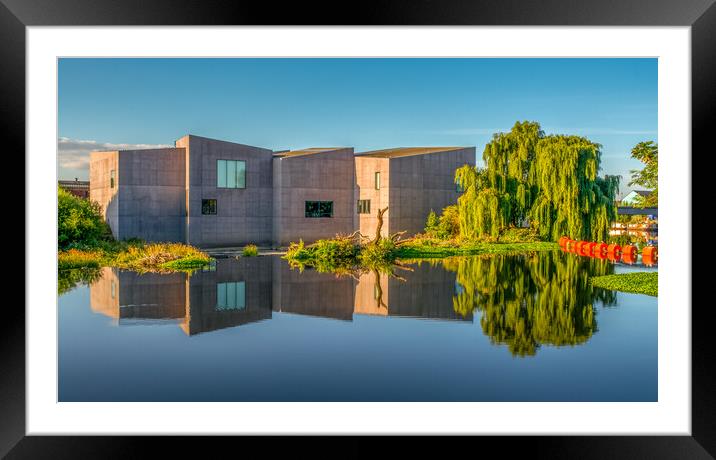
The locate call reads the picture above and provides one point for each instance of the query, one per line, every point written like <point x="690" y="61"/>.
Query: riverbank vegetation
<point x="636" y="282"/>
<point x="85" y="242"/>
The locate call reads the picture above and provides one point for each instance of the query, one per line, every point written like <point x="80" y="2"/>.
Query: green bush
<point x="79" y="221"/>
<point x="378" y="254"/>
<point x="445" y="226"/>
<point x="519" y="235"/>
<point x="250" y="250"/>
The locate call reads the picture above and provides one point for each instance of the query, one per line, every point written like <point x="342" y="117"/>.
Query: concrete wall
<point x="129" y="295"/>
<point x="311" y="293"/>
<point x="203" y="315"/>
<point x="420" y="183"/>
<point x="323" y="176"/>
<point x="243" y="215"/>
<point x="101" y="163"/>
<point x="365" y="168"/>
<point x="151" y="194"/>
<point x="147" y="200"/>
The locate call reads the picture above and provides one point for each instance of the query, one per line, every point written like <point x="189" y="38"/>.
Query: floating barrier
<point x="629" y="254"/>
<point x="614" y="252"/>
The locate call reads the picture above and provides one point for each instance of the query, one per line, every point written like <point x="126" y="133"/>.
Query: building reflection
<point x="233" y="292"/>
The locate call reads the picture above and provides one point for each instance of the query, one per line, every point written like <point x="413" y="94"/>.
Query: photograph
<point x="368" y="229"/>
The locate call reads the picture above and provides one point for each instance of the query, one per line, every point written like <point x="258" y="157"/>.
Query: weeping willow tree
<point x="532" y="300"/>
<point x="550" y="180"/>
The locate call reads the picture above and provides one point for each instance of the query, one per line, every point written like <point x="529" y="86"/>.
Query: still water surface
<point x="497" y="328"/>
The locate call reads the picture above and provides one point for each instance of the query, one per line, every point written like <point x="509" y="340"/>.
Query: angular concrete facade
<point x="312" y="175"/>
<point x="243" y="215"/>
<point x="413" y="181"/>
<point x="212" y="193"/>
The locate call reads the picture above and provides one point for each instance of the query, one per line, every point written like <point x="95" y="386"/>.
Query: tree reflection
<point x="530" y="300"/>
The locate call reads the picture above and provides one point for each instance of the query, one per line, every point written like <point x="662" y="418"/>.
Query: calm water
<point x="498" y="328"/>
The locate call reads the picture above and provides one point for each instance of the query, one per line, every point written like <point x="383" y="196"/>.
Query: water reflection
<point x="532" y="300"/>
<point x="523" y="302"/>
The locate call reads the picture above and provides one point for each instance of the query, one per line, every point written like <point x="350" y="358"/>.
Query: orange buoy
<point x="587" y="248"/>
<point x="648" y="260"/>
<point x="614" y="256"/>
<point x="563" y="241"/>
<point x="599" y="249"/>
<point x="629" y="254"/>
<point x="614" y="249"/>
<point x="569" y="246"/>
<point x="650" y="251"/>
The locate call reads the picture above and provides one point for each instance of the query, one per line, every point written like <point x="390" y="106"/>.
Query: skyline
<point x="364" y="103"/>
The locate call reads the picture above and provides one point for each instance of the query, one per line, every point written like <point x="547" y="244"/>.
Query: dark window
<point x="208" y="207"/>
<point x="319" y="209"/>
<point x="111" y="179"/>
<point x="363" y="206"/>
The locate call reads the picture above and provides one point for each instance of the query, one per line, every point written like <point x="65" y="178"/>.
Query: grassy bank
<point x="426" y="248"/>
<point x="344" y="254"/>
<point x="136" y="256"/>
<point x="637" y="282"/>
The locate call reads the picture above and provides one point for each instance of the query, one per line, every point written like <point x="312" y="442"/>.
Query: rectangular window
<point x="111" y="179"/>
<point x="208" y="207"/>
<point x="319" y="209"/>
<point x="231" y="296"/>
<point x="377" y="181"/>
<point x="230" y="174"/>
<point x="363" y="206"/>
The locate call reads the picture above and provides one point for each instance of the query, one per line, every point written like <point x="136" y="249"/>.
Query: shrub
<point x="378" y="254"/>
<point x="519" y="235"/>
<point x="78" y="258"/>
<point x="250" y="250"/>
<point x="79" y="221"/>
<point x="445" y="226"/>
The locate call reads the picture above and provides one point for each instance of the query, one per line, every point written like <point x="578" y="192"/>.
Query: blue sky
<point x="362" y="103"/>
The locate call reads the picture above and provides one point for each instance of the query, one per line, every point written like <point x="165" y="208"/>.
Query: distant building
<point x="632" y="198"/>
<point x="213" y="193"/>
<point x="76" y="187"/>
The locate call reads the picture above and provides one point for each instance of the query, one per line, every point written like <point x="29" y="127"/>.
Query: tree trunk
<point x="380" y="225"/>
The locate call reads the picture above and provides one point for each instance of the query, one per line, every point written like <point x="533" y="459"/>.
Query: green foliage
<point x="70" y="279"/>
<point x="446" y="226"/>
<point x="79" y="221"/>
<point x="338" y="254"/>
<point x="431" y="248"/>
<point x="78" y="258"/>
<point x="637" y="282"/>
<point x="531" y="300"/>
<point x="378" y="254"/>
<point x="159" y="257"/>
<point x="648" y="177"/>
<point x="133" y="256"/>
<point x="250" y="250"/>
<point x="519" y="235"/>
<point x="550" y="180"/>
<point x="431" y="224"/>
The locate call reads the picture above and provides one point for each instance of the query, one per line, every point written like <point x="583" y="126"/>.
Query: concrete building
<point x="632" y="198"/>
<point x="410" y="181"/>
<point x="313" y="194"/>
<point x="212" y="193"/>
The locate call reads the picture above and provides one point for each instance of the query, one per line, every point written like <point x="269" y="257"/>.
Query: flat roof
<point x="407" y="151"/>
<point x="309" y="151"/>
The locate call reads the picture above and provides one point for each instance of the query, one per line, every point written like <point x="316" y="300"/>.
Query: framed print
<point x="418" y="219"/>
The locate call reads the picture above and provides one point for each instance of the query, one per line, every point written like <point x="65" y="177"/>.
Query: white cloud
<point x="74" y="153"/>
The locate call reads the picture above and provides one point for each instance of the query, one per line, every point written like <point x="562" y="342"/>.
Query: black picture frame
<point x="16" y="15"/>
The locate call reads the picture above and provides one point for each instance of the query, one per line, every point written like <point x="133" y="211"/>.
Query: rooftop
<point x="309" y="151"/>
<point x="406" y="151"/>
